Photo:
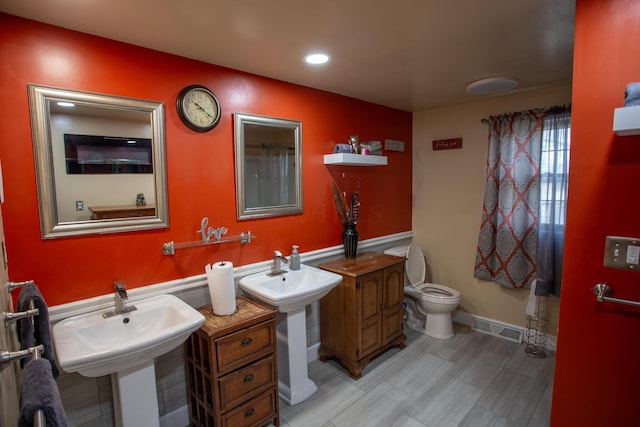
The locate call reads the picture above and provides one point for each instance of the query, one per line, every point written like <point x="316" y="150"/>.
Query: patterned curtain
<point x="507" y="242"/>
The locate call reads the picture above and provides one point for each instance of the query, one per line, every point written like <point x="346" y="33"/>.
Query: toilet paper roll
<point x="221" y="288"/>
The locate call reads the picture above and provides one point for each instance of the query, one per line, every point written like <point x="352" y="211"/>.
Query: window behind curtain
<point x="555" y="145"/>
<point x="554" y="174"/>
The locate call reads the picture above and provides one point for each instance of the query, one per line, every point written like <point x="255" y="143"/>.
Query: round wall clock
<point x="198" y="108"/>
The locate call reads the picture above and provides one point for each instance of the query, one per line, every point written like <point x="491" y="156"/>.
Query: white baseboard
<point x="312" y="352"/>
<point x="176" y="418"/>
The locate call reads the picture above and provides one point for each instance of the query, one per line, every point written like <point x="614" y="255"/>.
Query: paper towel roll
<point x="221" y="288"/>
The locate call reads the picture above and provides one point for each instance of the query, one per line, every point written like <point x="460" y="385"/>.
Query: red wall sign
<point x="447" y="144"/>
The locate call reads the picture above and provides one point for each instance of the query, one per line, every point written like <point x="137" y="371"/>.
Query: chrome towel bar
<point x="14" y="285"/>
<point x="9" y="356"/>
<point x="602" y="290"/>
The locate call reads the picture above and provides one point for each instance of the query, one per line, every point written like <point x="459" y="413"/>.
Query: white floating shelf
<point x="354" y="159"/>
<point x="626" y="121"/>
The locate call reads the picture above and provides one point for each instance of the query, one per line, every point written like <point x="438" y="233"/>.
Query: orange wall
<point x="200" y="167"/>
<point x="597" y="370"/>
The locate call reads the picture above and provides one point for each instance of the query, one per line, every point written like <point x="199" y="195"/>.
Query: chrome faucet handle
<point x="120" y="298"/>
<point x="277" y="255"/>
<point x="120" y="289"/>
<point x="276" y="268"/>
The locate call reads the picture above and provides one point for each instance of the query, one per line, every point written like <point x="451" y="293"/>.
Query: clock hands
<point x="202" y="109"/>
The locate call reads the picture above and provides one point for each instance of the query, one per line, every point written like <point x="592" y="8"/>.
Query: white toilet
<point x="429" y="305"/>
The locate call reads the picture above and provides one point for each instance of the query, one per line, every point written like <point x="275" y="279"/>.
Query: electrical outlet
<point x="79" y="205"/>
<point x="622" y="253"/>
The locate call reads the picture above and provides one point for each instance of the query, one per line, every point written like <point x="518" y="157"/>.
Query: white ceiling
<point x="407" y="54"/>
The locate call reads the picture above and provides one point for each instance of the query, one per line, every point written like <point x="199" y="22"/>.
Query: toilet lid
<point x="416" y="266"/>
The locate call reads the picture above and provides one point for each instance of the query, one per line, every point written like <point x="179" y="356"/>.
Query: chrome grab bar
<point x="602" y="290"/>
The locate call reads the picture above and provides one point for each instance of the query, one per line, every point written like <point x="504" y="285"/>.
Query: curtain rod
<point x="553" y="109"/>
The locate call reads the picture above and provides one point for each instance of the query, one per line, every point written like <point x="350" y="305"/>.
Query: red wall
<point x="597" y="372"/>
<point x="200" y="167"/>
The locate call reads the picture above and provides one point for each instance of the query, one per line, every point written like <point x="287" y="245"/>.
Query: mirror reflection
<point x="268" y="166"/>
<point x="100" y="162"/>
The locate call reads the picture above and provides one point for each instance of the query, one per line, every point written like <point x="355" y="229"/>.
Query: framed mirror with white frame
<point x="100" y="162"/>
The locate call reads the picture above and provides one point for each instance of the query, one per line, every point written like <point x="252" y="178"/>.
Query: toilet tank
<point x="400" y="251"/>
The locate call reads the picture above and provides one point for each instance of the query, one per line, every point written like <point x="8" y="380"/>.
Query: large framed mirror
<point x="268" y="166"/>
<point x="100" y="162"/>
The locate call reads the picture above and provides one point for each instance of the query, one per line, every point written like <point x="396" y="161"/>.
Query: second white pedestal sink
<point x="125" y="345"/>
<point x="290" y="292"/>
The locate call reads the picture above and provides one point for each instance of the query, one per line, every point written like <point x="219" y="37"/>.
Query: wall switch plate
<point x="622" y="253"/>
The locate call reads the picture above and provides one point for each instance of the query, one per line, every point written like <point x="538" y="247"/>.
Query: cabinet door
<point x="370" y="307"/>
<point x="393" y="298"/>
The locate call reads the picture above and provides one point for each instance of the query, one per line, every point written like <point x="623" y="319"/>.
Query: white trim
<point x="312" y="352"/>
<point x="194" y="289"/>
<point x="177" y="417"/>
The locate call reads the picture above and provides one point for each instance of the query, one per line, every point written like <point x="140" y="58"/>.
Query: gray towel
<point x="37" y="331"/>
<point x="39" y="391"/>
<point x="632" y="95"/>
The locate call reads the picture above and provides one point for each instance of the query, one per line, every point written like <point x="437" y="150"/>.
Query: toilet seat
<point x="416" y="271"/>
<point x="437" y="292"/>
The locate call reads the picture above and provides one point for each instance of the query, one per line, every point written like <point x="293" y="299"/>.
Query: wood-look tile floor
<point x="473" y="379"/>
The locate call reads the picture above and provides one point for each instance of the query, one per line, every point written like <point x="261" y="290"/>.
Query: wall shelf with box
<point x="350" y="159"/>
<point x="626" y="121"/>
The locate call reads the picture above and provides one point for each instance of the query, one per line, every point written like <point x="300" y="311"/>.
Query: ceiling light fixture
<point x="316" y="58"/>
<point x="491" y="85"/>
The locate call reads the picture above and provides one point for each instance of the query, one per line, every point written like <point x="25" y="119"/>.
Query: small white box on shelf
<point x="626" y="121"/>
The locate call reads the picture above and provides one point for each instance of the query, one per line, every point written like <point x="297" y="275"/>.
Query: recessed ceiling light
<point x="492" y="85"/>
<point x="316" y="58"/>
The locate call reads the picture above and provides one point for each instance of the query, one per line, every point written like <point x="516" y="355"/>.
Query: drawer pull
<point x="249" y="412"/>
<point x="248" y="378"/>
<point x="246" y="342"/>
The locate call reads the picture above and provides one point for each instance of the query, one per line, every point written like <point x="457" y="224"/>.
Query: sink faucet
<point x="276" y="267"/>
<point x="121" y="297"/>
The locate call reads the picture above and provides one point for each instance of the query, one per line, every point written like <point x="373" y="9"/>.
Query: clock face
<point x="198" y="108"/>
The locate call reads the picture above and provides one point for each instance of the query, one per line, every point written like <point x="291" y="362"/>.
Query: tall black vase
<point x="350" y="240"/>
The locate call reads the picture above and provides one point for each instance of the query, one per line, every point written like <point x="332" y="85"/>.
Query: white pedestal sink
<point x="290" y="292"/>
<point x="125" y="346"/>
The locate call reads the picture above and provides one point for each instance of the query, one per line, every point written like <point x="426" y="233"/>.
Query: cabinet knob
<point x="248" y="378"/>
<point x="246" y="342"/>
<point x="249" y="412"/>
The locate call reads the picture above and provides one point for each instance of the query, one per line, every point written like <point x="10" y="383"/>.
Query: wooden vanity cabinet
<point x="362" y="316"/>
<point x="231" y="368"/>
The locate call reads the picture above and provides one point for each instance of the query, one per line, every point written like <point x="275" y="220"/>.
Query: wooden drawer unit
<point x="363" y="316"/>
<point x="231" y="368"/>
